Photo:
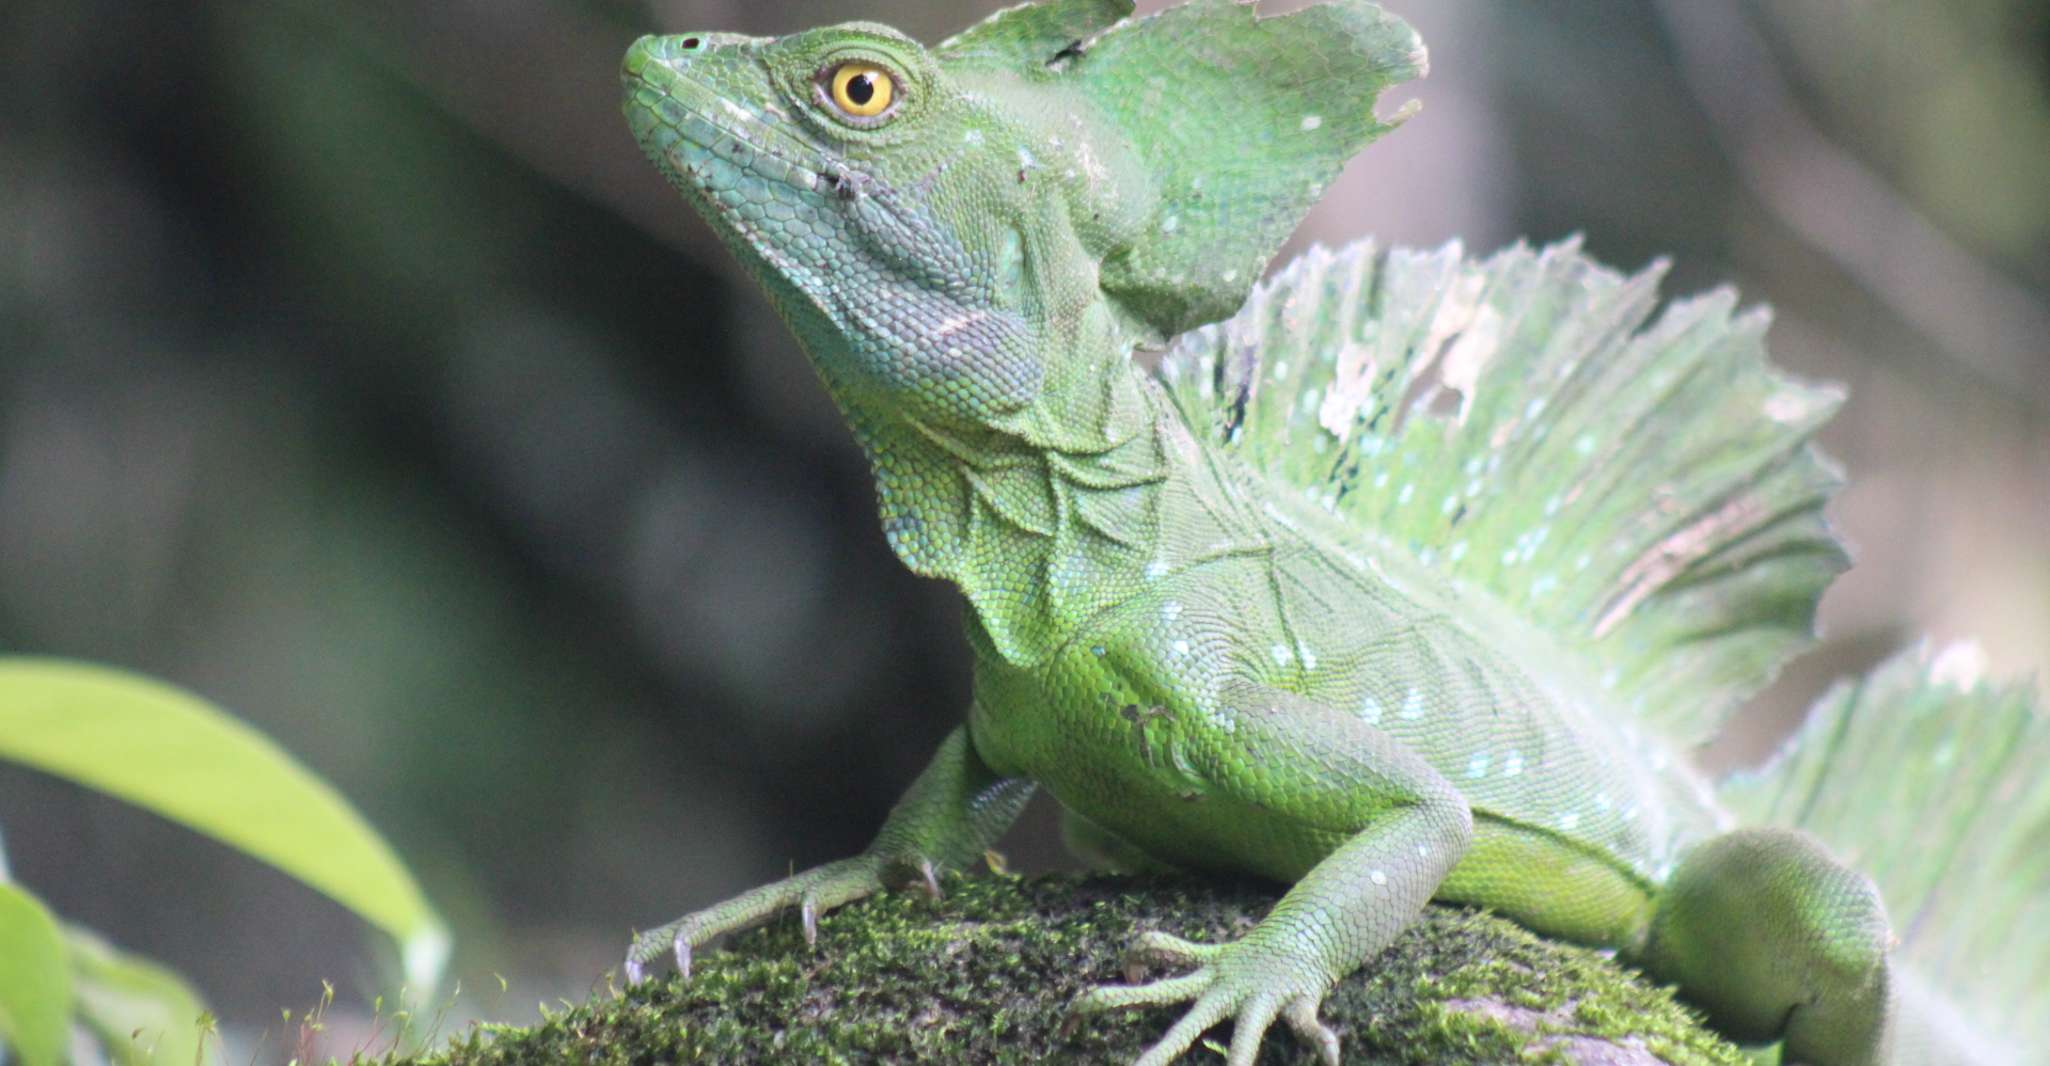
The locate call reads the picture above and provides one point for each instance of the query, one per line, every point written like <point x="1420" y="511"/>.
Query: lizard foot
<point x="812" y="892"/>
<point x="1250" y="983"/>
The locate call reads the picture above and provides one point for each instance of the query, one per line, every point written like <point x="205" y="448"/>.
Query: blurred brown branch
<point x="1976" y="317"/>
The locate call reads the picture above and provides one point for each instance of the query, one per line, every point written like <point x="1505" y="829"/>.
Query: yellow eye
<point x="863" y="90"/>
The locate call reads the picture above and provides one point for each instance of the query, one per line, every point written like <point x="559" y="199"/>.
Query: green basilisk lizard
<point x="1410" y="581"/>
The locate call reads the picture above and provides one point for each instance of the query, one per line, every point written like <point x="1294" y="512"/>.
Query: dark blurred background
<point x="356" y="371"/>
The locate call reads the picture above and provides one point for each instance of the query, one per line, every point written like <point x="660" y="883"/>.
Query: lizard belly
<point x="1550" y="885"/>
<point x="1576" y="817"/>
<point x="1110" y="748"/>
<point x="1560" y="778"/>
<point x="1136" y="768"/>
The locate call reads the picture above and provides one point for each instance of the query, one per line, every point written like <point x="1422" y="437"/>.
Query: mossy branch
<point x="985" y="974"/>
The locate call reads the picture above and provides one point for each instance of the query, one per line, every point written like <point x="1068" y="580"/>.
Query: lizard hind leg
<point x="1776" y="940"/>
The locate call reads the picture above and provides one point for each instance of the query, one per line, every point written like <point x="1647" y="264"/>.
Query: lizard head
<point x="973" y="231"/>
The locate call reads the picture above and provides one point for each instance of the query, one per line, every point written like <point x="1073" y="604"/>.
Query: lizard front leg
<point x="1401" y="826"/>
<point x="956" y="809"/>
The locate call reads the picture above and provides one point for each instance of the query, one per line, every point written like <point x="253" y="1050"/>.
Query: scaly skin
<point x="1205" y="670"/>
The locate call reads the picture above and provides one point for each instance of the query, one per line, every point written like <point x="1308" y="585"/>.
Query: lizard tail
<point x="1936" y="784"/>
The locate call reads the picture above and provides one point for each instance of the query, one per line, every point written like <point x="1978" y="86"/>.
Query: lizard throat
<point x="993" y="513"/>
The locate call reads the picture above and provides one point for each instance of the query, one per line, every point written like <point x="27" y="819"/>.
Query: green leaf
<point x="168" y="751"/>
<point x="141" y="1012"/>
<point x="35" y="981"/>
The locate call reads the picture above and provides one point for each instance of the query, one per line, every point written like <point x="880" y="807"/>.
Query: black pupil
<point x="861" y="88"/>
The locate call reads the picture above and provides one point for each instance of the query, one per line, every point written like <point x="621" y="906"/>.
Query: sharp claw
<point x="1327" y="1048"/>
<point x="1302" y="1017"/>
<point x="808" y="914"/>
<point x="682" y="948"/>
<point x="932" y="877"/>
<point x="1154" y="948"/>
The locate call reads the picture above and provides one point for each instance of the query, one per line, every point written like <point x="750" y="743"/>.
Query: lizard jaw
<point x="707" y="145"/>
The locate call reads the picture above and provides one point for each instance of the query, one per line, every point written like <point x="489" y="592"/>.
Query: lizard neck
<point x="1045" y="520"/>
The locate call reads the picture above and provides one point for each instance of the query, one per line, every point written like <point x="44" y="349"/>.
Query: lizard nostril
<point x="690" y="42"/>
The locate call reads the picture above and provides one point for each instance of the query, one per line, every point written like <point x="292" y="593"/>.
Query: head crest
<point x="1240" y="122"/>
<point x="1031" y="33"/>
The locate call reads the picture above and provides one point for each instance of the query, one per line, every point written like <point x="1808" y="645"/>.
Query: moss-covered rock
<point x="984" y="976"/>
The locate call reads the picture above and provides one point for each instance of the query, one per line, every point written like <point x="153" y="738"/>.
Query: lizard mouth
<point x="707" y="145"/>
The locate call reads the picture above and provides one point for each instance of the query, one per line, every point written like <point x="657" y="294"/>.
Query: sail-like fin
<point x="1636" y="483"/>
<point x="1936" y="784"/>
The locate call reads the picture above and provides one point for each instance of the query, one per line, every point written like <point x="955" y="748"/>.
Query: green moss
<point x="984" y="976"/>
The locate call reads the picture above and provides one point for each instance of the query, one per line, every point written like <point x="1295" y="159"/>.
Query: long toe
<point x="1250" y="1028"/>
<point x="1208" y="1011"/>
<point x="1301" y="1015"/>
<point x="1157" y="994"/>
<point x="1156" y="946"/>
<point x="647" y="950"/>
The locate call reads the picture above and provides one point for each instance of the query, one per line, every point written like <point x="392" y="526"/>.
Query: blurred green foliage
<point x="356" y="370"/>
<point x="35" y="983"/>
<point x="171" y="753"/>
